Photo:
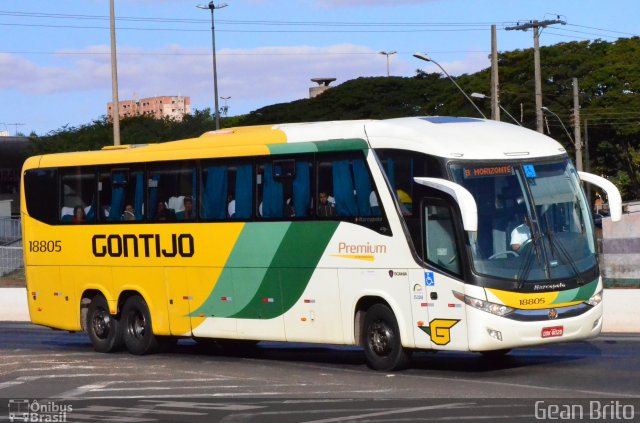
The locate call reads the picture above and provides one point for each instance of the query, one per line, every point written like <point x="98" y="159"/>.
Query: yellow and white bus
<point x="430" y="233"/>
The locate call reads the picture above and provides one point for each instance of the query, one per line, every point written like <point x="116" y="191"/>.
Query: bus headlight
<point x="595" y="299"/>
<point x="489" y="307"/>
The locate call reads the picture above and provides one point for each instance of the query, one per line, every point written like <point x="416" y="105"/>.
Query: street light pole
<point x="212" y="7"/>
<point x="546" y="109"/>
<point x="388" y="53"/>
<point x="225" y="108"/>
<point x="426" y="58"/>
<point x="483" y="96"/>
<point x="115" y="105"/>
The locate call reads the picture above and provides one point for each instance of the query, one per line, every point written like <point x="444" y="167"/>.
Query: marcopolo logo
<point x="24" y="410"/>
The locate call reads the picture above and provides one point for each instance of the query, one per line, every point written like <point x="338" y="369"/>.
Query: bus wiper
<point x="554" y="241"/>
<point x="535" y="237"/>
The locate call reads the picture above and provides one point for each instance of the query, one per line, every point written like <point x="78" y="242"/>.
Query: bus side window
<point x="350" y="184"/>
<point x="78" y="196"/>
<point x="284" y="187"/>
<point x="301" y="198"/>
<point x="121" y="194"/>
<point x="227" y="190"/>
<point x="41" y="194"/>
<point x="175" y="185"/>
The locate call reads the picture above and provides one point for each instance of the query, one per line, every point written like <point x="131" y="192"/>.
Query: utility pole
<point x="213" y="7"/>
<point x="587" y="166"/>
<point x="16" y="124"/>
<point x="495" y="93"/>
<point x="536" y="25"/>
<point x="115" y="106"/>
<point x="576" y="125"/>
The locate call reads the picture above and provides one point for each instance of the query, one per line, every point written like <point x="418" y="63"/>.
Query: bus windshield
<point x="533" y="220"/>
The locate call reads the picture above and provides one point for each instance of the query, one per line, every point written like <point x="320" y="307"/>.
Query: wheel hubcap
<point x="102" y="324"/>
<point x="137" y="325"/>
<point x="380" y="338"/>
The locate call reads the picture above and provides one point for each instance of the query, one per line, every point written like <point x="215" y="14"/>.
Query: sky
<point x="55" y="63"/>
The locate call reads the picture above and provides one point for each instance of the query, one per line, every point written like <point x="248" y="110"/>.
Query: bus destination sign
<point x="485" y="171"/>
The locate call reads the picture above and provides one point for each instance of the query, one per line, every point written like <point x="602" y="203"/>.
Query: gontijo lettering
<point x="149" y="245"/>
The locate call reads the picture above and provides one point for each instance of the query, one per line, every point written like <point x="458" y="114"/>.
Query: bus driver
<point x="521" y="234"/>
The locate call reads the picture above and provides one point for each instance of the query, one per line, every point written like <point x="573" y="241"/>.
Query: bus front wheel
<point x="137" y="330"/>
<point x="382" y="346"/>
<point x="103" y="328"/>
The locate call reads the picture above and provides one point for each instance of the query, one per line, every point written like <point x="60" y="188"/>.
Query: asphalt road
<point x="311" y="383"/>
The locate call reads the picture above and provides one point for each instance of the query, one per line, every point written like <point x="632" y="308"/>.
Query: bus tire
<point x="381" y="338"/>
<point x="137" y="328"/>
<point x="104" y="329"/>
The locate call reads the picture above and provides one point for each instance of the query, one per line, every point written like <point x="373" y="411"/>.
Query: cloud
<point x="252" y="77"/>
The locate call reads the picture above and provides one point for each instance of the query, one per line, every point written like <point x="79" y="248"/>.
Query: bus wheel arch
<point x="377" y="331"/>
<point x="85" y="300"/>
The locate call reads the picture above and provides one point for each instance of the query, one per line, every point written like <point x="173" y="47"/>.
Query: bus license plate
<point x="552" y="331"/>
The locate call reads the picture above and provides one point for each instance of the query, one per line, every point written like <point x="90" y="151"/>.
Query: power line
<point x="605" y="30"/>
<point x="314" y="53"/>
<point x="121" y="28"/>
<point x="250" y="22"/>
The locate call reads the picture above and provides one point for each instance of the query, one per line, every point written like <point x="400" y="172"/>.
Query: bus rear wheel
<point x="382" y="345"/>
<point x="136" y="327"/>
<point x="103" y="328"/>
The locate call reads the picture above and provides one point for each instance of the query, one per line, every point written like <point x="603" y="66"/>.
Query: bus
<point x="418" y="233"/>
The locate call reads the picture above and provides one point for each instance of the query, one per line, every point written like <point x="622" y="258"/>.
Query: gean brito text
<point x="145" y="245"/>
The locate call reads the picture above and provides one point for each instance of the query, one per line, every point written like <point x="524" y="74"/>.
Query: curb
<point x="620" y="308"/>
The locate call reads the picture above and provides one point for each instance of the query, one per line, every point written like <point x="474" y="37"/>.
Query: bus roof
<point x="448" y="137"/>
<point x="442" y="136"/>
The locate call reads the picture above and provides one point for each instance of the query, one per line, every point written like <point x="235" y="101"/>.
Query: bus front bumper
<point x="489" y="332"/>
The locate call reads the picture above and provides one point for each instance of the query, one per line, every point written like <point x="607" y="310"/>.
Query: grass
<point x="14" y="279"/>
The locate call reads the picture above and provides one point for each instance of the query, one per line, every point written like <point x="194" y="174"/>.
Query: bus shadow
<point x="445" y="361"/>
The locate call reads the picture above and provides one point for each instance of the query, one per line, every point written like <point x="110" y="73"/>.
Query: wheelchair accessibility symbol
<point x="429" y="279"/>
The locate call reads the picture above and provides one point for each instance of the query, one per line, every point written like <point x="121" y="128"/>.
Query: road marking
<point x="81" y="390"/>
<point x="10" y="384"/>
<point x="391" y="412"/>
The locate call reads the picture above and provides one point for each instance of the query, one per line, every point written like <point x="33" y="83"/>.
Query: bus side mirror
<point x="466" y="202"/>
<point x="615" y="200"/>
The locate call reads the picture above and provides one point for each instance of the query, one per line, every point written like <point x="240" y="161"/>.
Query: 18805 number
<point x="45" y="246"/>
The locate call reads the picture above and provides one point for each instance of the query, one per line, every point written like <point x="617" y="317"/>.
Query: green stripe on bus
<point x="246" y="268"/>
<point x="351" y="144"/>
<point x="293" y="148"/>
<point x="290" y="271"/>
<point x="342" y="145"/>
<point x="577" y="294"/>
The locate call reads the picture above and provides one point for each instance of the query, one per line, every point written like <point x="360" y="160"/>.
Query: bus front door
<point x="443" y="275"/>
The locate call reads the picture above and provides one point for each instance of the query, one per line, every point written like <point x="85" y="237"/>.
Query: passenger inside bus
<point x="325" y="207"/>
<point x="129" y="213"/>
<point x="78" y="215"/>
<point x="188" y="212"/>
<point x="164" y="214"/>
